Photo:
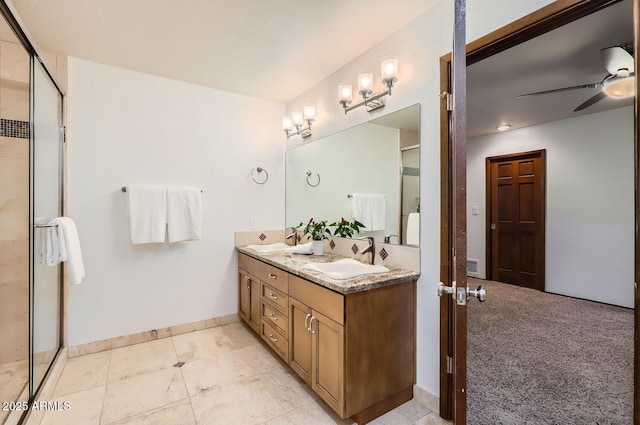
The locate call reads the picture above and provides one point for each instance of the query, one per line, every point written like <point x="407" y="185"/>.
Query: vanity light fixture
<point x="373" y="101"/>
<point x="294" y="125"/>
<point x="503" y="127"/>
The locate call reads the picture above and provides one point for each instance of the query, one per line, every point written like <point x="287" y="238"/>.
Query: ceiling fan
<point x="619" y="83"/>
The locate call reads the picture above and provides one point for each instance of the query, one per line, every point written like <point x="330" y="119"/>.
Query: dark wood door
<point x="515" y="200"/>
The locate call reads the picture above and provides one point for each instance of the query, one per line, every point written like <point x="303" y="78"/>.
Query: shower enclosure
<point x="31" y="177"/>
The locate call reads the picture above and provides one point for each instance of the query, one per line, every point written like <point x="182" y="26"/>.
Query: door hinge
<point x="449" y="98"/>
<point x="449" y="365"/>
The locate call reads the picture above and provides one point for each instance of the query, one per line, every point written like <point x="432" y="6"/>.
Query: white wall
<point x="589" y="202"/>
<point x="126" y="127"/>
<point x="418" y="46"/>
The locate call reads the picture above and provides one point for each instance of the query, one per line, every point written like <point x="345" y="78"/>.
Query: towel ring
<point x="309" y="175"/>
<point x="260" y="170"/>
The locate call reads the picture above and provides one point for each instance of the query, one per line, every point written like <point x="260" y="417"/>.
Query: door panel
<point x="328" y="361"/>
<point x="515" y="199"/>
<point x="300" y="339"/>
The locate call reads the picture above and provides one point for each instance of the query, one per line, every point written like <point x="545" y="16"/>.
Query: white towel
<point x="184" y="213"/>
<point x="413" y="229"/>
<point x="369" y="209"/>
<point x="65" y="243"/>
<point x="147" y="213"/>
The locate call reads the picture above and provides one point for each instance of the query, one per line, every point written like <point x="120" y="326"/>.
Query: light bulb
<point x="389" y="67"/>
<point x="365" y="82"/>
<point x="287" y="124"/>
<point x="345" y="92"/>
<point x="309" y="112"/>
<point x="296" y="117"/>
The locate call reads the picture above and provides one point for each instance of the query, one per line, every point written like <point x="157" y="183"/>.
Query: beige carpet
<point x="537" y="358"/>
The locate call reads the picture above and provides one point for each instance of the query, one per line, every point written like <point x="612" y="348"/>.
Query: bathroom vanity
<point x="353" y="341"/>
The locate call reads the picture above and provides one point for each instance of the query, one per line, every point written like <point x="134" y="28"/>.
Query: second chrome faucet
<point x="371" y="247"/>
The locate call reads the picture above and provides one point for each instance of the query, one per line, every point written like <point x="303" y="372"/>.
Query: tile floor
<point x="229" y="377"/>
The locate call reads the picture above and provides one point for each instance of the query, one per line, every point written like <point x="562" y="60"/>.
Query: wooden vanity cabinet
<point x="356" y="351"/>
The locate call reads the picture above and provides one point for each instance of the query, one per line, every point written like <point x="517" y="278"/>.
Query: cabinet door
<point x="300" y="339"/>
<point x="255" y="315"/>
<point x="244" y="296"/>
<point x="328" y="361"/>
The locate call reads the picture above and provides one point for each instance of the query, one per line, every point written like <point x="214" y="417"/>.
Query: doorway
<point x="453" y="318"/>
<point x="516" y="218"/>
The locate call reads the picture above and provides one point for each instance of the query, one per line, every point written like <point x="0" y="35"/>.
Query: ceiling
<point x="567" y="56"/>
<point x="278" y="49"/>
<point x="270" y="49"/>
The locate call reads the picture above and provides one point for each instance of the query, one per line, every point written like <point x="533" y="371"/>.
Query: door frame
<point x="543" y="20"/>
<point x="540" y="244"/>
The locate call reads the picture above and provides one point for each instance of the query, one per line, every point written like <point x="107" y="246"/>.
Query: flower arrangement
<point x="318" y="231"/>
<point x="346" y="228"/>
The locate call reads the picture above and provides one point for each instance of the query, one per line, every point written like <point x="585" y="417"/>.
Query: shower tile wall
<point x="14" y="218"/>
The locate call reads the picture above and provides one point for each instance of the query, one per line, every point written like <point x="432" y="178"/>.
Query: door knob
<point x="446" y="290"/>
<point x="480" y="293"/>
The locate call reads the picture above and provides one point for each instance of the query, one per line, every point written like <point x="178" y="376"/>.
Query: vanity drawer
<point x="275" y="277"/>
<point x="319" y="298"/>
<point x="278" y="298"/>
<point x="279" y="343"/>
<point x="275" y="318"/>
<point x="249" y="264"/>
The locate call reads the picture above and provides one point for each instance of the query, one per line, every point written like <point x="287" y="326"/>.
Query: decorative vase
<point x="318" y="247"/>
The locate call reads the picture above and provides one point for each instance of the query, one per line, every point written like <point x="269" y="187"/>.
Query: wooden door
<point x="255" y="315"/>
<point x="328" y="361"/>
<point x="244" y="296"/>
<point x="300" y="339"/>
<point x="516" y="217"/>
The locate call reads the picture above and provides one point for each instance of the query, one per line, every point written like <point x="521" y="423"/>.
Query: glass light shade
<point x="389" y="67"/>
<point x="309" y="111"/>
<point x="296" y="117"/>
<point x="287" y="124"/>
<point x="345" y="92"/>
<point x="365" y="82"/>
<point x="619" y="87"/>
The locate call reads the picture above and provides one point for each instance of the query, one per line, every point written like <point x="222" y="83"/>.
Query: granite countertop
<point x="293" y="263"/>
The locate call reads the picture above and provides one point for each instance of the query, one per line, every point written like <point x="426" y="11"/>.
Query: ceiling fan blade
<point x="615" y="58"/>
<point x="582" y="86"/>
<point x="591" y="101"/>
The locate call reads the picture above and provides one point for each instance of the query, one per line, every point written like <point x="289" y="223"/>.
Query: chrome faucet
<point x="293" y="234"/>
<point x="370" y="248"/>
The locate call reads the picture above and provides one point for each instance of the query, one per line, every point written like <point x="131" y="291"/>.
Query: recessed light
<point x="503" y="127"/>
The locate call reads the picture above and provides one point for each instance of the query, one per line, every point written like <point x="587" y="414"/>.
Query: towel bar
<point x="42" y="226"/>
<point x="124" y="189"/>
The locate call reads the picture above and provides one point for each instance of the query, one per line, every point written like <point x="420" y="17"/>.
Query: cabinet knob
<point x="272" y="317"/>
<point x="273" y="297"/>
<point x="272" y="338"/>
<point x="272" y="276"/>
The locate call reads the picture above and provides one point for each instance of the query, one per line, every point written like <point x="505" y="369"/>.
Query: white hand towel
<point x="184" y="213"/>
<point x="147" y="213"/>
<point x="69" y="250"/>
<point x="369" y="209"/>
<point x="413" y="229"/>
<point x="54" y="245"/>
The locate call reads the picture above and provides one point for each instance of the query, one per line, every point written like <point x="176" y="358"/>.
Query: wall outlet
<point x="252" y="223"/>
<point x="475" y="210"/>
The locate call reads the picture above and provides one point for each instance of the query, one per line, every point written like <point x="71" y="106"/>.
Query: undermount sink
<point x="281" y="247"/>
<point x="346" y="268"/>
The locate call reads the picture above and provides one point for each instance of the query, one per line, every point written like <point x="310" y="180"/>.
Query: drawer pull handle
<point x="272" y="338"/>
<point x="311" y="324"/>
<point x="273" y="297"/>
<point x="247" y="279"/>
<point x="272" y="276"/>
<point x="306" y="325"/>
<point x="274" y="318"/>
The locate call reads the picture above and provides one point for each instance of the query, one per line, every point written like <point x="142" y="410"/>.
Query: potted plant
<point x="319" y="232"/>
<point x="346" y="228"/>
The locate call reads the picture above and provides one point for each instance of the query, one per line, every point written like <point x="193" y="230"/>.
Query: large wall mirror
<point x="379" y="157"/>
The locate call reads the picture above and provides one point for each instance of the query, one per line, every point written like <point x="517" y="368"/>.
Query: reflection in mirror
<point x="380" y="157"/>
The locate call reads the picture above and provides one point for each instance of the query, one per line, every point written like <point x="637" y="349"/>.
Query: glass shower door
<point x="46" y="187"/>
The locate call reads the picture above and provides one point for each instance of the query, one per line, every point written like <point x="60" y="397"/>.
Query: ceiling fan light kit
<point x="618" y="84"/>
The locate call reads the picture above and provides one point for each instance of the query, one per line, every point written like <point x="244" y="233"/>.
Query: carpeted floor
<point x="537" y="358"/>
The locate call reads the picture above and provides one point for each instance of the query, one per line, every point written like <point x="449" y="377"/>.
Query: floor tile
<point x="200" y="344"/>
<point x="133" y="396"/>
<point x="176" y="414"/>
<point x="139" y="359"/>
<point x="310" y="413"/>
<point x="202" y="375"/>
<point x="241" y="403"/>
<point x="85" y="408"/>
<point x="289" y="391"/>
<point x="240" y="335"/>
<point x="82" y="373"/>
